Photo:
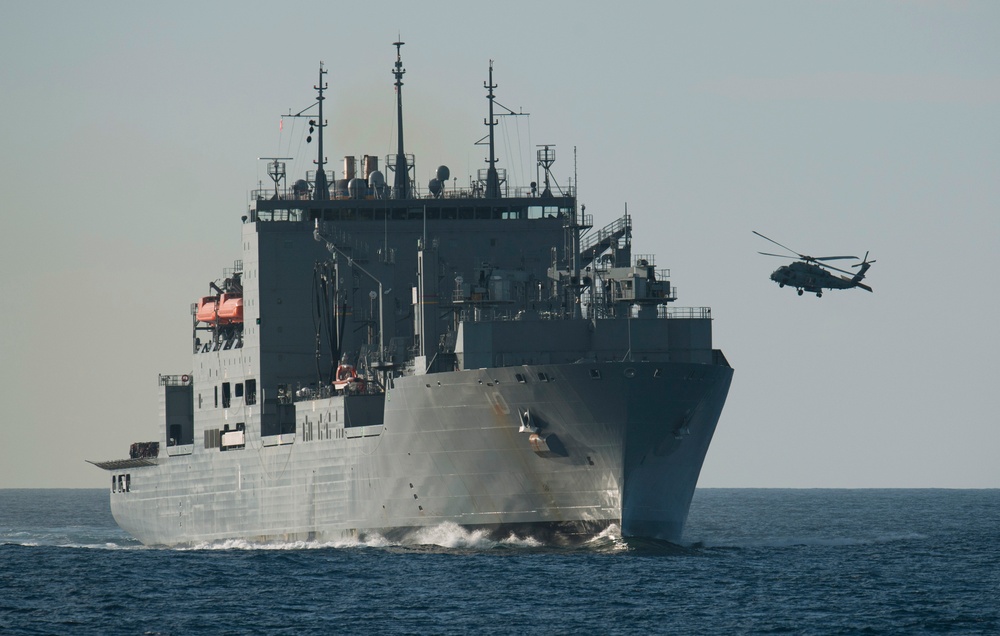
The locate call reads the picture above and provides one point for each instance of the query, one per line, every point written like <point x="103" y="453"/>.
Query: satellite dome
<point x="443" y="174"/>
<point x="356" y="188"/>
<point x="376" y="179"/>
<point x="300" y="186"/>
<point x="434" y="186"/>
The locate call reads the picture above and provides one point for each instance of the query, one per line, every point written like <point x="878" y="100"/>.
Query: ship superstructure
<point x="385" y="357"/>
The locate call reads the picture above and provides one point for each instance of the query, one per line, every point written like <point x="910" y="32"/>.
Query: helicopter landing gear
<point x="800" y="292"/>
<point x="781" y="285"/>
<point x="819" y="294"/>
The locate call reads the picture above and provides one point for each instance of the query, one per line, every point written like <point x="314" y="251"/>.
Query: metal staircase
<point x="617" y="237"/>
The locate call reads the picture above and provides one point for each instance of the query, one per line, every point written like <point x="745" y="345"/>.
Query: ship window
<point x="520" y="377"/>
<point x="114" y="484"/>
<point x="595" y="374"/>
<point x="251" y="393"/>
<point x="128" y="483"/>
<point x="216" y="396"/>
<point x="225" y="395"/>
<point x="238" y="392"/>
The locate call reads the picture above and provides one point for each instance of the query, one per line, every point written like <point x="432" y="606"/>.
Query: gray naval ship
<point x="385" y="358"/>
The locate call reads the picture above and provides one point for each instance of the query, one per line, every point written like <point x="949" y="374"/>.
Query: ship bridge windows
<point x="226" y="397"/>
<point x="543" y="212"/>
<point x="251" y="391"/>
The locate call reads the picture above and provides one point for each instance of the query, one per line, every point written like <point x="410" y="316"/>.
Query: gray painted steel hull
<point x="625" y="445"/>
<point x="503" y="332"/>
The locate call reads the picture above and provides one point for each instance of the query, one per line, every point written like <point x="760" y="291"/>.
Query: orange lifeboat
<point x="230" y="308"/>
<point x="207" y="307"/>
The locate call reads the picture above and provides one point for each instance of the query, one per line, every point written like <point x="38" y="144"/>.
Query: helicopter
<point x="809" y="275"/>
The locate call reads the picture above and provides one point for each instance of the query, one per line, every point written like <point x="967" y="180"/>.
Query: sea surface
<point x="752" y="562"/>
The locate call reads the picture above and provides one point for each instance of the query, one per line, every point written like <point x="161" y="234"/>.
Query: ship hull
<point x="556" y="452"/>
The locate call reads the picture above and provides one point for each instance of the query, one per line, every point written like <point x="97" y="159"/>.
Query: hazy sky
<point x="130" y="133"/>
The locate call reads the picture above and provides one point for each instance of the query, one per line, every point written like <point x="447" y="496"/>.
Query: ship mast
<point x="322" y="190"/>
<point x="401" y="185"/>
<point x="492" y="179"/>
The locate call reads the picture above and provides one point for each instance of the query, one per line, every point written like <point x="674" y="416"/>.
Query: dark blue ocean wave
<point x="753" y="561"/>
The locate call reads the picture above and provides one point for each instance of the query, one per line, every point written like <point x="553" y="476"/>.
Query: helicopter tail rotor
<point x="865" y="264"/>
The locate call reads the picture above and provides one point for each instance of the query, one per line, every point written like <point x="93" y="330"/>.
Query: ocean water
<point x="753" y="561"/>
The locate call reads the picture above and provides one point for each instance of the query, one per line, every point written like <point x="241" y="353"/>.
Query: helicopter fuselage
<point x="811" y="278"/>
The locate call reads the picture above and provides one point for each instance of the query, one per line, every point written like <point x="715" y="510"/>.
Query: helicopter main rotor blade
<point x="837" y="269"/>
<point x="777" y="243"/>
<point x="778" y="255"/>
<point x="833" y="258"/>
